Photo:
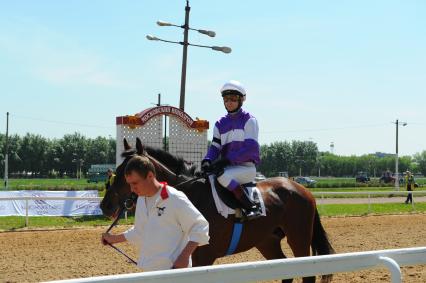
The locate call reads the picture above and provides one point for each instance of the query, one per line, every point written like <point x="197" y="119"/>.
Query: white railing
<point x="319" y="195"/>
<point x="277" y="269"/>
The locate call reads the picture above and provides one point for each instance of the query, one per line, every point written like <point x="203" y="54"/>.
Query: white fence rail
<point x="318" y="195"/>
<point x="277" y="269"/>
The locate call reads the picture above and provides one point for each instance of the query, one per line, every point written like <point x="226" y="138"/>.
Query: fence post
<point x="26" y="212"/>
<point x="369" y="204"/>
<point x="392" y="265"/>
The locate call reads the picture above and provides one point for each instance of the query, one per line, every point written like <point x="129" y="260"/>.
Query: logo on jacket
<point x="160" y="210"/>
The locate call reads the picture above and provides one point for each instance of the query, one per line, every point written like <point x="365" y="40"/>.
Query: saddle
<point x="234" y="206"/>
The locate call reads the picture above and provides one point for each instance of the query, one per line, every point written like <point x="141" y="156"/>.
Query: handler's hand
<point x="105" y="239"/>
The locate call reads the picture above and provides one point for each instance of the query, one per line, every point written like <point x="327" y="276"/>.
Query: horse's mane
<point x="177" y="164"/>
<point x="128" y="153"/>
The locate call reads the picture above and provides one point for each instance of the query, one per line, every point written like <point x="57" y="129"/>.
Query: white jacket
<point x="163" y="232"/>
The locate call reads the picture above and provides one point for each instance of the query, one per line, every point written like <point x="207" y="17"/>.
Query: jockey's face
<point x="231" y="102"/>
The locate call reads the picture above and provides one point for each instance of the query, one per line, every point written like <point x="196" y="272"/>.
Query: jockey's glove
<point x="219" y="164"/>
<point x="206" y="167"/>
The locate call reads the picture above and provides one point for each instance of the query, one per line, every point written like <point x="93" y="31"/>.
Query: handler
<point x="168" y="228"/>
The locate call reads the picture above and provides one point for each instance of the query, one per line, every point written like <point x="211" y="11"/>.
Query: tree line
<point x="43" y="157"/>
<point x="303" y="158"/>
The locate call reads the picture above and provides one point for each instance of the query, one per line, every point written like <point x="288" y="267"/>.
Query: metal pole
<point x="165" y="125"/>
<point x="184" y="57"/>
<point x="396" y="159"/>
<point x="26" y="212"/>
<point x="165" y="133"/>
<point x="6" y="155"/>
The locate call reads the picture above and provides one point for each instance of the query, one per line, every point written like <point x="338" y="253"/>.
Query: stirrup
<point x="252" y="213"/>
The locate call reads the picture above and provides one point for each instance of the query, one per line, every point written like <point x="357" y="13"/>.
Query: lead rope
<point x="128" y="203"/>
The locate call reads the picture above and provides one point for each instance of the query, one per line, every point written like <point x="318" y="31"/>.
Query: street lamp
<point x="397" y="123"/>
<point x="6" y="154"/>
<point x="185" y="45"/>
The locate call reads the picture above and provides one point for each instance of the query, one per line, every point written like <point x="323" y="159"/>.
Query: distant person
<point x="409" y="184"/>
<point x="110" y="179"/>
<point x="234" y="151"/>
<point x="168" y="228"/>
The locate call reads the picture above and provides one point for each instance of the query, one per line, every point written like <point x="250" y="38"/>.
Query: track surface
<point x="31" y="256"/>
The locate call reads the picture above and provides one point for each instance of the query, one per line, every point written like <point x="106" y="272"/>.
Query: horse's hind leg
<point x="270" y="248"/>
<point x="300" y="243"/>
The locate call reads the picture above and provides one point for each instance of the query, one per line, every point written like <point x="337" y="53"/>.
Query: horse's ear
<point x="139" y="146"/>
<point x="126" y="145"/>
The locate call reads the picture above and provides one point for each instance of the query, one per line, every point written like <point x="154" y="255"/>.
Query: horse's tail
<point x="320" y="243"/>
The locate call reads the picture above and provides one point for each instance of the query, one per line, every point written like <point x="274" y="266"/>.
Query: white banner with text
<point x="49" y="207"/>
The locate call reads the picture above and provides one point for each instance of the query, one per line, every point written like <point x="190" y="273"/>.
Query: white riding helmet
<point x="233" y="87"/>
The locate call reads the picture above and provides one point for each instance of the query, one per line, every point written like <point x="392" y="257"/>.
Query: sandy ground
<point x="32" y="256"/>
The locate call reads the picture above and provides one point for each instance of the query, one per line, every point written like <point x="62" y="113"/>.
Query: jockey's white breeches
<point x="237" y="175"/>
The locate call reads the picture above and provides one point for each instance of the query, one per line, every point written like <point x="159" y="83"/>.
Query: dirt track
<point x="33" y="256"/>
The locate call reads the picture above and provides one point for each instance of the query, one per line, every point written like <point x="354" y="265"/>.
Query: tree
<point x="420" y="159"/>
<point x="74" y="149"/>
<point x="283" y="156"/>
<point x="34" y="150"/>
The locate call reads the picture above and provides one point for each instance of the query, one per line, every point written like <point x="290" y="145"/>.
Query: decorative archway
<point x="186" y="137"/>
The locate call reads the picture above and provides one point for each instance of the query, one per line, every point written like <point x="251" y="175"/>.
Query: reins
<point x="188" y="181"/>
<point x="173" y="173"/>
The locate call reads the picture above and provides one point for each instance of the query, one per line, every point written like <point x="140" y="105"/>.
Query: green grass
<point x="53" y="184"/>
<point x="10" y="223"/>
<point x="376" y="208"/>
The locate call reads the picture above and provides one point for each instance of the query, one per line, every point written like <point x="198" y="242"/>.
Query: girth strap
<point x="236" y="235"/>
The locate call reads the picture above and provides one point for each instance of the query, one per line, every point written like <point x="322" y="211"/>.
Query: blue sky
<point x="325" y="71"/>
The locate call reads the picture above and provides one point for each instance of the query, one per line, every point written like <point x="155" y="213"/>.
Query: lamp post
<point x="397" y="123"/>
<point x="6" y="157"/>
<point x="185" y="45"/>
<point x="165" y="123"/>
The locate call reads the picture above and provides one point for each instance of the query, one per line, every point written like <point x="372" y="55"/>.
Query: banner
<point x="43" y="207"/>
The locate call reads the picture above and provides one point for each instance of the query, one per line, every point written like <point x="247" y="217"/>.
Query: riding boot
<point x="251" y="209"/>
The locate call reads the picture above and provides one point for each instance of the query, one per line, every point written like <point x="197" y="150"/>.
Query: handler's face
<point x="139" y="185"/>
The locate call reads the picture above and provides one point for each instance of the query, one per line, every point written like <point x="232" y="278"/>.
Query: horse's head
<point x="119" y="190"/>
<point x="168" y="168"/>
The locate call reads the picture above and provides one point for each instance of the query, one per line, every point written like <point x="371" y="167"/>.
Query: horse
<point x="291" y="212"/>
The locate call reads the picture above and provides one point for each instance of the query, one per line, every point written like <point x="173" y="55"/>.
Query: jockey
<point x="235" y="148"/>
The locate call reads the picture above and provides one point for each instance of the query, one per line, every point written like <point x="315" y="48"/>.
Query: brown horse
<point x="290" y="208"/>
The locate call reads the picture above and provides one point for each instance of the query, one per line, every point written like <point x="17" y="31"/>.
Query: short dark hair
<point x="139" y="164"/>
